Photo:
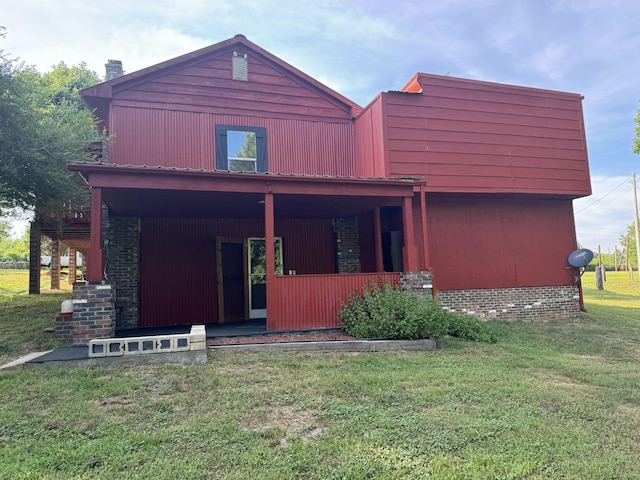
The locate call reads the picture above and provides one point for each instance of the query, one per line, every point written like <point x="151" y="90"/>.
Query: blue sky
<point x="362" y="47"/>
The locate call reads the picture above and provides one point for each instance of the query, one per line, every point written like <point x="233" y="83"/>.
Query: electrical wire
<point x="603" y="197"/>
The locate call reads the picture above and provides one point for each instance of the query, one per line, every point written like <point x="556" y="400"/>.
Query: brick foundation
<point x="418" y="282"/>
<point x="93" y="312"/>
<point x="122" y="268"/>
<point x="64" y="326"/>
<point x="532" y="303"/>
<point x="347" y="244"/>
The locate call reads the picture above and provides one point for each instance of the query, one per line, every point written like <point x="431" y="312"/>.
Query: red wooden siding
<point x="468" y="136"/>
<point x="370" y="141"/>
<point x="269" y="91"/>
<point x="483" y="242"/>
<point x="170" y="138"/>
<point x="313" y="301"/>
<point x="178" y="262"/>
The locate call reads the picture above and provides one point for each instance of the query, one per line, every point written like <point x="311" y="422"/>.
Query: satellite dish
<point x="580" y="258"/>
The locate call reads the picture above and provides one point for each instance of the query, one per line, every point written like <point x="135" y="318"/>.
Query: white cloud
<point x="362" y="47"/>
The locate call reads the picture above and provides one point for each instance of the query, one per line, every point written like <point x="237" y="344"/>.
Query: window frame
<point x="222" y="155"/>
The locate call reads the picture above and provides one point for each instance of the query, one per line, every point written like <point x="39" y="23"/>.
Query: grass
<point x="16" y="282"/>
<point x="559" y="399"/>
<point x="26" y="321"/>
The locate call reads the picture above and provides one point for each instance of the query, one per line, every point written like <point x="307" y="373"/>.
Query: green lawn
<point x="559" y="399"/>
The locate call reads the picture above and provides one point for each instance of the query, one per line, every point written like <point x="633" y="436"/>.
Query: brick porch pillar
<point x="93" y="311"/>
<point x="54" y="268"/>
<point x="35" y="243"/>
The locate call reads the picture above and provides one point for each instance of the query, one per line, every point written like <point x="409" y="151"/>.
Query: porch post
<point x="377" y="238"/>
<point x="35" y="244"/>
<point x="425" y="236"/>
<point x="269" y="233"/>
<point x="95" y="262"/>
<point x="71" y="277"/>
<point x="54" y="267"/>
<point x="409" y="250"/>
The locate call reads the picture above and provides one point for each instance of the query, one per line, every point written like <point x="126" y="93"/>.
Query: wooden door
<point x="232" y="292"/>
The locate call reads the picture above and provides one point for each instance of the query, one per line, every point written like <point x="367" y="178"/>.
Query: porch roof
<point x="166" y="191"/>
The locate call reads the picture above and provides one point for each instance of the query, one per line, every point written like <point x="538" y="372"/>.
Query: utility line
<point x="603" y="197"/>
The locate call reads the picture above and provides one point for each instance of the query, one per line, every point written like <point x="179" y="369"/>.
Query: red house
<point x="235" y="186"/>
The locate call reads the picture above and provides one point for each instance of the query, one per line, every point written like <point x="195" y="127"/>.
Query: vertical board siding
<point x="466" y="136"/>
<point x="370" y="141"/>
<point x="143" y="136"/>
<point x="178" y="262"/>
<point x="313" y="301"/>
<point x="481" y="242"/>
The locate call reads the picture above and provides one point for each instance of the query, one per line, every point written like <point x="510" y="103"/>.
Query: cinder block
<point x="198" y="345"/>
<point x="115" y="347"/>
<point x="198" y="333"/>
<point x="97" y="349"/>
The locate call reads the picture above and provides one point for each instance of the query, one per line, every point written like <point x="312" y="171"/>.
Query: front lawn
<point x="559" y="399"/>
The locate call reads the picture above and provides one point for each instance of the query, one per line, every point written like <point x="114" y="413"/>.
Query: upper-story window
<point x="241" y="149"/>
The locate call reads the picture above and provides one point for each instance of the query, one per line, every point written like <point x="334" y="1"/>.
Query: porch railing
<point x="305" y="302"/>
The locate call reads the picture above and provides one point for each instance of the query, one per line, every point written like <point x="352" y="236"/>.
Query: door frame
<point x="220" y="277"/>
<point x="262" y="313"/>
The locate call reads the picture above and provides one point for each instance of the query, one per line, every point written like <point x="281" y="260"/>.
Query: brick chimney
<point x="114" y="69"/>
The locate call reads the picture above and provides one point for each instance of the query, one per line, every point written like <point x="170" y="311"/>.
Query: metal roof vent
<point x="239" y="63"/>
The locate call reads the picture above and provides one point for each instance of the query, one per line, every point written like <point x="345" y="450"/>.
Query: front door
<point x="256" y="262"/>
<point x="231" y="280"/>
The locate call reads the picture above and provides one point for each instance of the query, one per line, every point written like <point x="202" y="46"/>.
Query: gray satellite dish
<point x="581" y="258"/>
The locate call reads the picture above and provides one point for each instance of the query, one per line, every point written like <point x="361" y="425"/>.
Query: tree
<point x="14" y="249"/>
<point x="43" y="126"/>
<point x="636" y="141"/>
<point x="248" y="149"/>
<point x="631" y="234"/>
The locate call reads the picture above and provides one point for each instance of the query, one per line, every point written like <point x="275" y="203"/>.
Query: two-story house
<point x="237" y="187"/>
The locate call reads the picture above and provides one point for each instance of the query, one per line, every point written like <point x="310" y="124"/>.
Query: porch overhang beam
<point x="104" y="176"/>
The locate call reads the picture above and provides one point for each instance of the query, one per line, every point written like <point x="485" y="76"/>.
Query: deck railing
<point x="305" y="302"/>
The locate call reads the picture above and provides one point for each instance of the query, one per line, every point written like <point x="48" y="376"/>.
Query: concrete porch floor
<point x="236" y="329"/>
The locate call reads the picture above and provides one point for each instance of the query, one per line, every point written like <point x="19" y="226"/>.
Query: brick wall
<point x="419" y="282"/>
<point x="123" y="268"/>
<point x="535" y="303"/>
<point x="93" y="312"/>
<point x="64" y="326"/>
<point x="347" y="244"/>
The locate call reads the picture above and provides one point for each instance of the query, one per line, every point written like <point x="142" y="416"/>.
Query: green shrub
<point x="391" y="313"/>
<point x="471" y="328"/>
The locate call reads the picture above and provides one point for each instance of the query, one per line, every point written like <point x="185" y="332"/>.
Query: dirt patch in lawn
<point x="281" y="425"/>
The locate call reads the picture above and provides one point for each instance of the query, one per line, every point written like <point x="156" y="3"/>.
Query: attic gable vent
<point x="239" y="62"/>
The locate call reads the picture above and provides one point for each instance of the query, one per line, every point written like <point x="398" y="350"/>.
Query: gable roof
<point x="98" y="96"/>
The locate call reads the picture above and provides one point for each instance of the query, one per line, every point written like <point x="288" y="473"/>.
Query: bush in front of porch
<point x="387" y="312"/>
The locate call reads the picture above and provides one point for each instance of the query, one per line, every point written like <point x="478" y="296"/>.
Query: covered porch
<point x="196" y="237"/>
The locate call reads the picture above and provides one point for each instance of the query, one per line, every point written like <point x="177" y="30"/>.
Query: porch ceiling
<point x="169" y="192"/>
<point x="176" y="203"/>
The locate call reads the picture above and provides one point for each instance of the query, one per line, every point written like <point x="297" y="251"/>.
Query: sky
<point x="362" y="47"/>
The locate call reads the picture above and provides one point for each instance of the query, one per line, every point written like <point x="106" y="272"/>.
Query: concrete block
<point x="97" y="349"/>
<point x="198" y="333"/>
<point x="198" y="345"/>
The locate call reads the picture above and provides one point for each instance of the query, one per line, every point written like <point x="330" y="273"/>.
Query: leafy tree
<point x="43" y="126"/>
<point x="14" y="249"/>
<point x="248" y="149"/>
<point x="631" y="233"/>
<point x="636" y="142"/>
<point x="5" y="228"/>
